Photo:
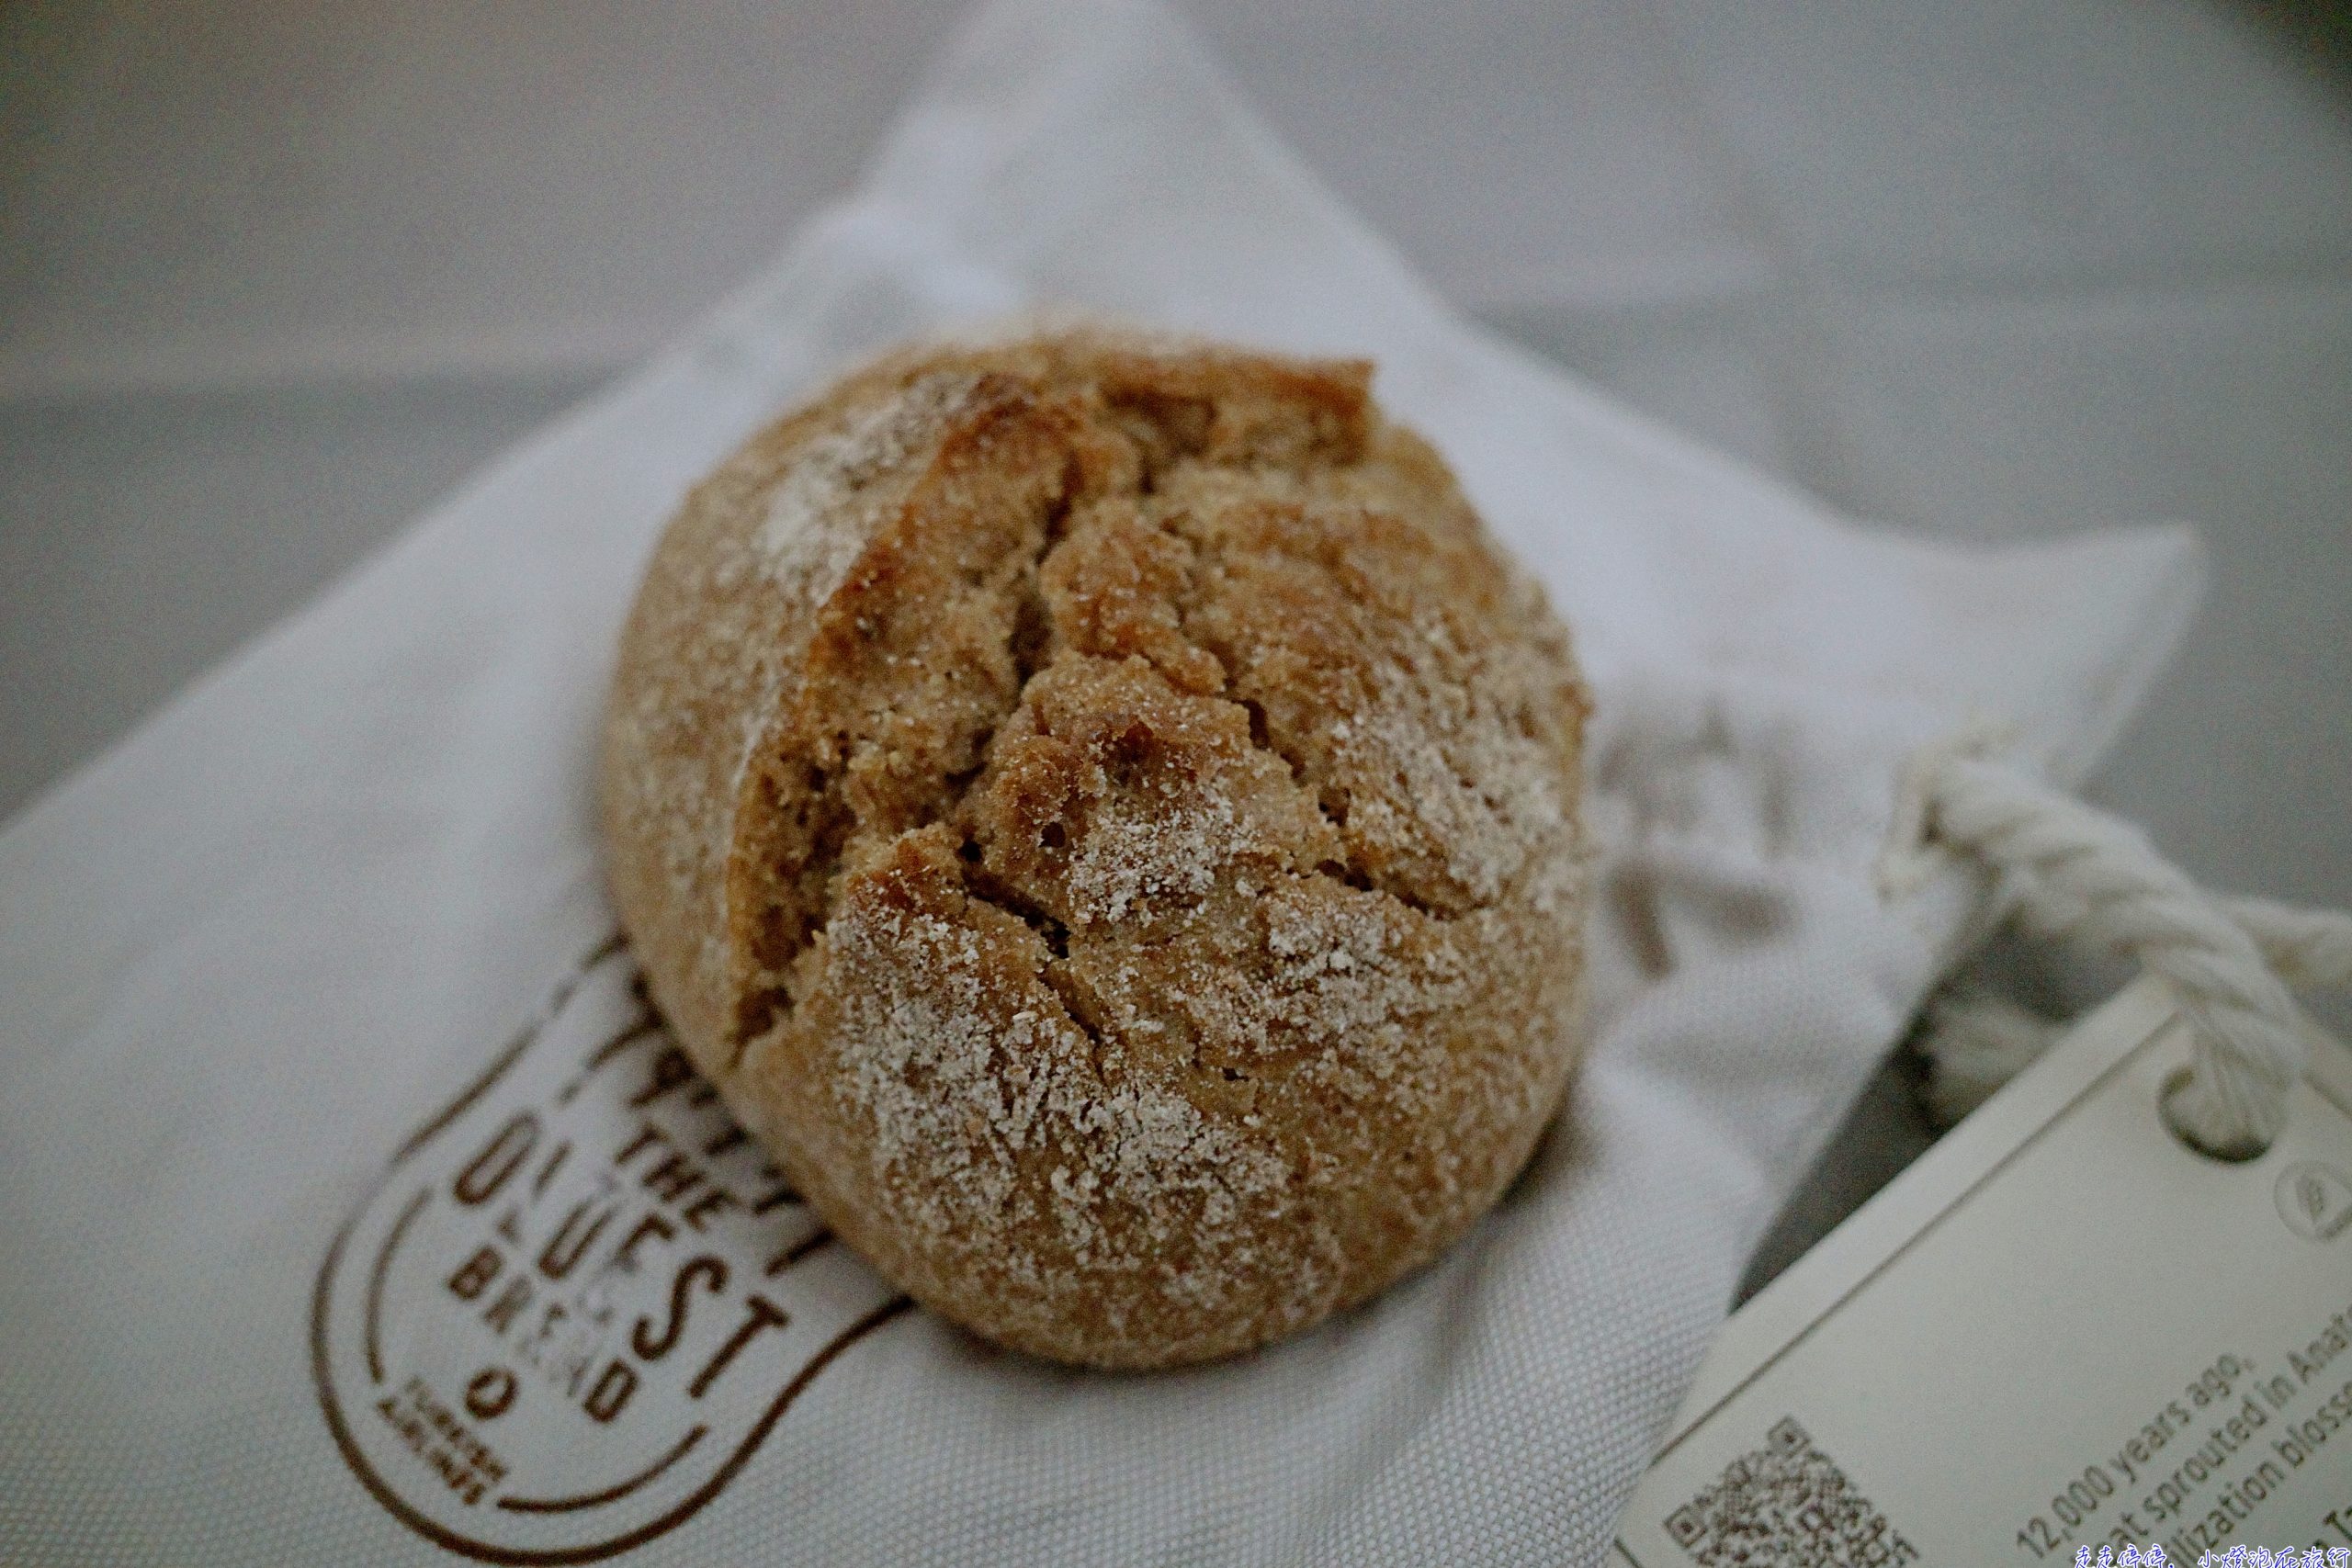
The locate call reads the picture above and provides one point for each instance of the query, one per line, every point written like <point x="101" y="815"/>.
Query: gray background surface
<point x="273" y="277"/>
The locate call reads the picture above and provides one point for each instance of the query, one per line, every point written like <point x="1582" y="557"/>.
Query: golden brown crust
<point x="1102" y="811"/>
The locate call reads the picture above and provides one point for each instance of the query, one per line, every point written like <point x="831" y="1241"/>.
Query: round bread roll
<point x="1106" y="816"/>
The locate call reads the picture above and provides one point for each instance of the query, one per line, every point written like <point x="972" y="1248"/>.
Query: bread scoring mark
<point x="826" y="540"/>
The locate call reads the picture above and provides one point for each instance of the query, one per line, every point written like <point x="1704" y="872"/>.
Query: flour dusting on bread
<point x="1107" y="815"/>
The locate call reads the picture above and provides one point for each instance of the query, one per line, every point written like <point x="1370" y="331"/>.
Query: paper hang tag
<point x="2059" y="1328"/>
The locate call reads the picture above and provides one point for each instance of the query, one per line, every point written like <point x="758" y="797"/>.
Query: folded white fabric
<point x="248" y="953"/>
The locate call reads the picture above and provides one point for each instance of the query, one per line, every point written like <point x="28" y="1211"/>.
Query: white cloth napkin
<point x="243" y="955"/>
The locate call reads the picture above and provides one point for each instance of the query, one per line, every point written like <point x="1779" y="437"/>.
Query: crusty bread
<point x="1106" y="815"/>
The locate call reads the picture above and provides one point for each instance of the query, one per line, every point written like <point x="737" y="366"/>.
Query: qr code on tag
<point x="1786" y="1505"/>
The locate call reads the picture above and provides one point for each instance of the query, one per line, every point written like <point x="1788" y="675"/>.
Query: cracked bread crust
<point x="1106" y="816"/>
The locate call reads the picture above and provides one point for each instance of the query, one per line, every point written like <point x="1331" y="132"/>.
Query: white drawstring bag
<point x="307" y="1006"/>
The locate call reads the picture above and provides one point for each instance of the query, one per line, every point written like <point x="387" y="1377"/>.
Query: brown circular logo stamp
<point x="581" y="1297"/>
